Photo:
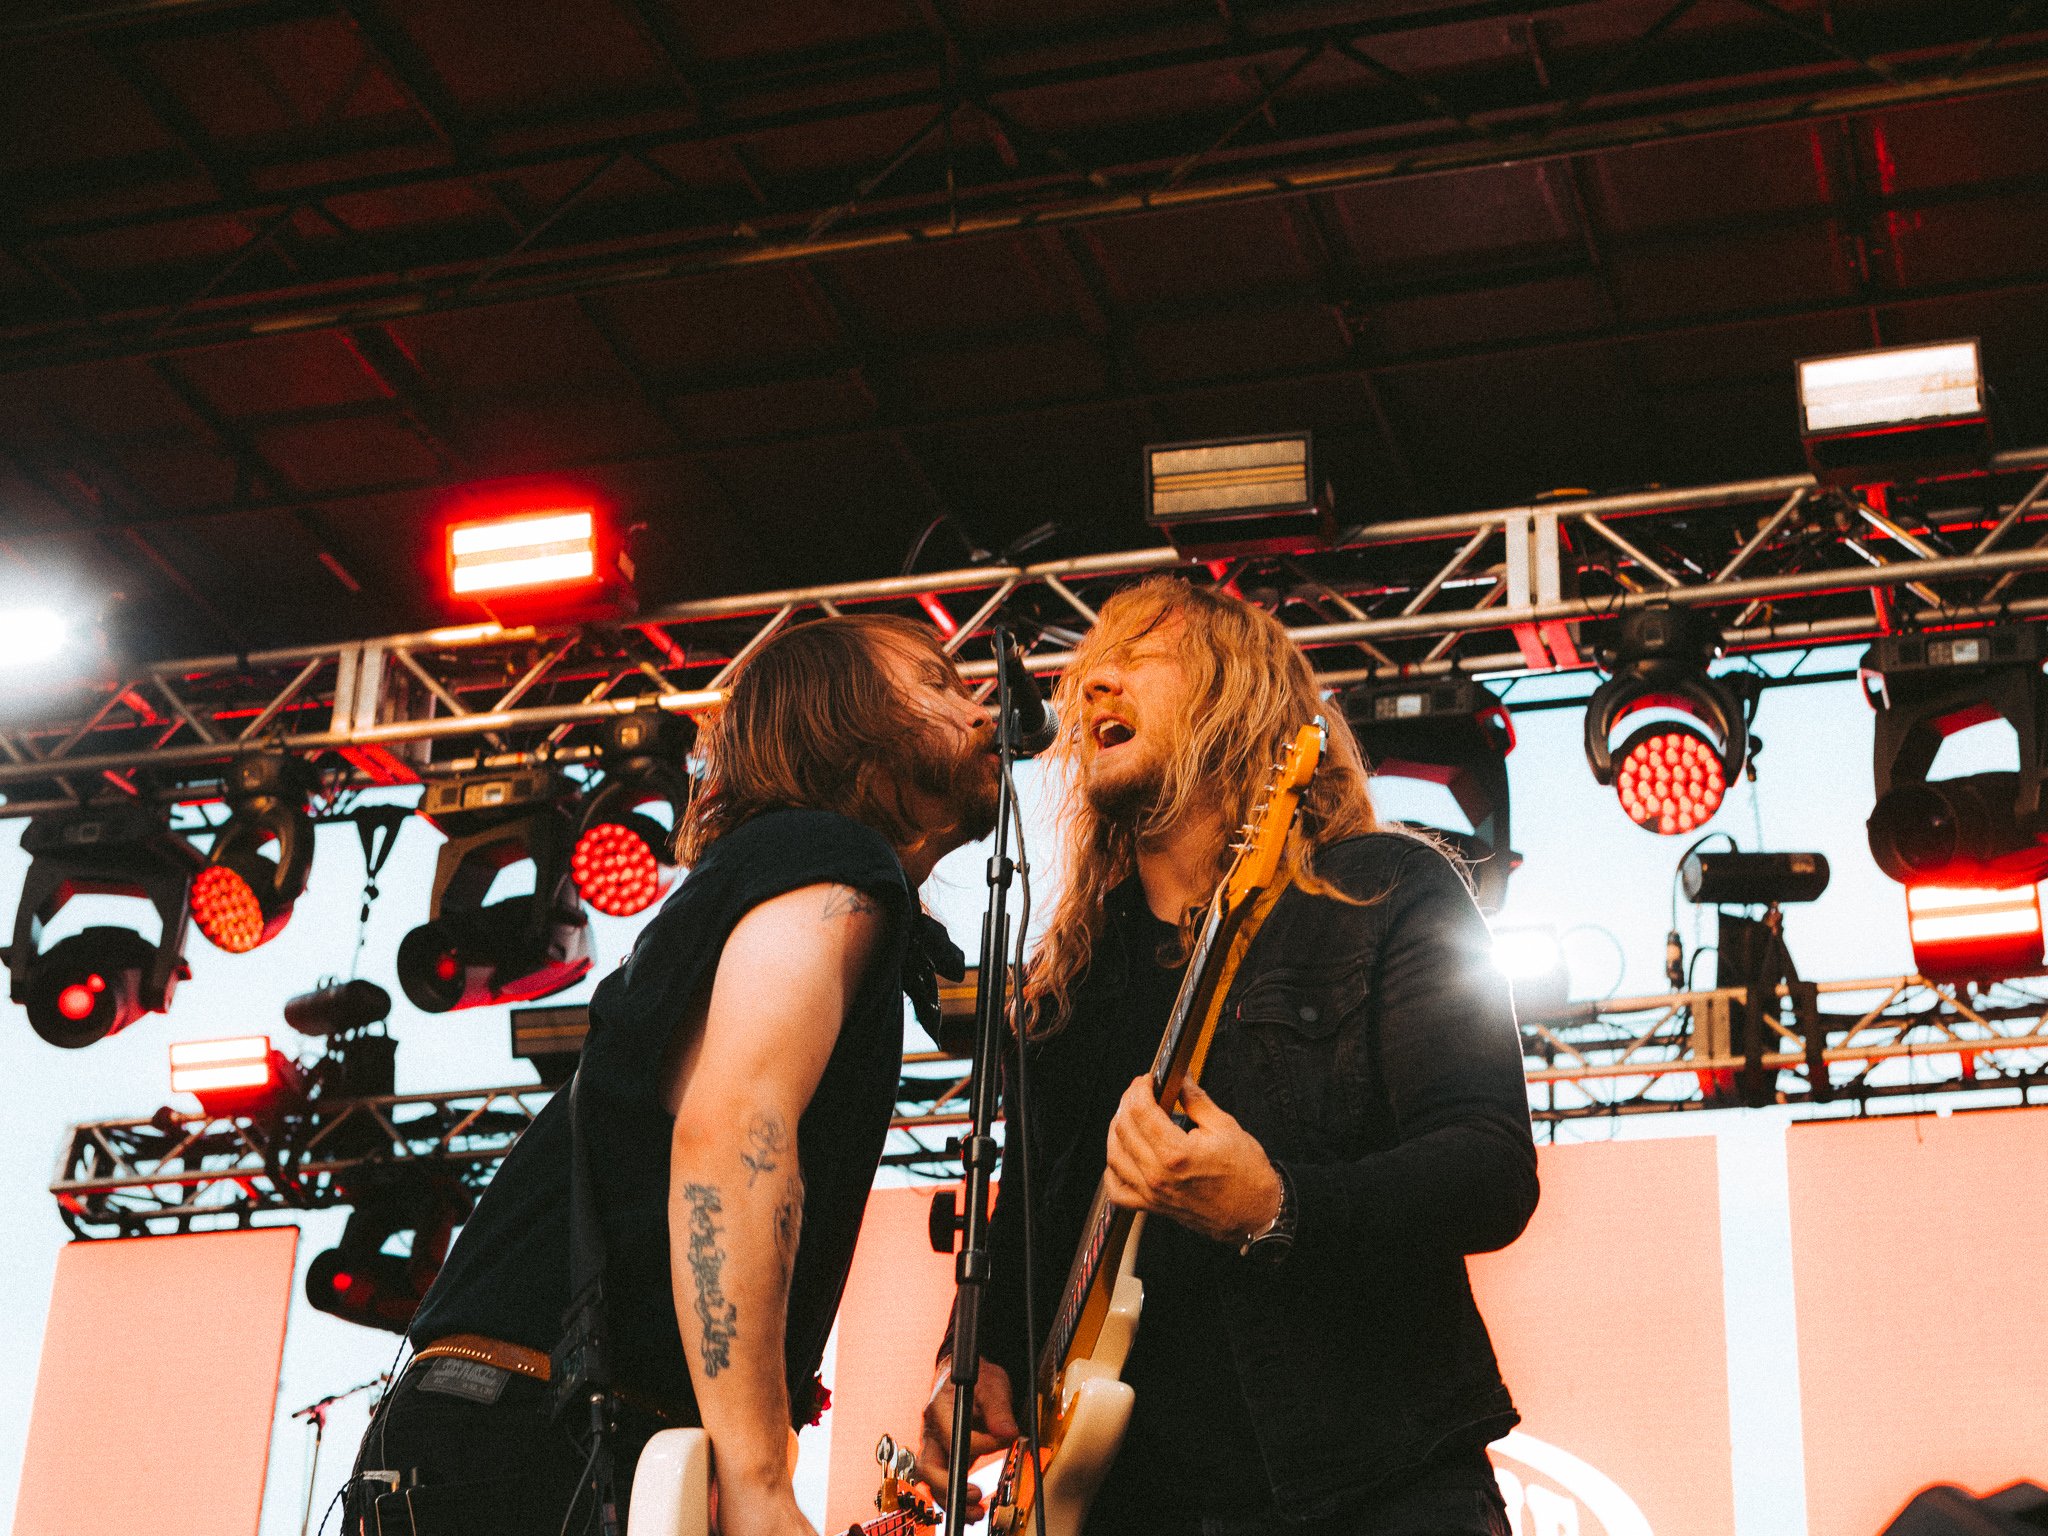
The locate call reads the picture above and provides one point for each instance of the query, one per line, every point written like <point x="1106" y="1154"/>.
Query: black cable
<point x="355" y="1469"/>
<point x="583" y="1481"/>
<point x="1022" y="1133"/>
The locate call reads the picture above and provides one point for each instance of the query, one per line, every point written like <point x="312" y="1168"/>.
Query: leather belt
<point x="516" y="1358"/>
<point x="522" y="1361"/>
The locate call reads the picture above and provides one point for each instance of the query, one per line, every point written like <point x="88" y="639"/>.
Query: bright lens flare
<point x="30" y="636"/>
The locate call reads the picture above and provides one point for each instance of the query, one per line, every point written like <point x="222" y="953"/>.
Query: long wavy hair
<point x="815" y="722"/>
<point x="1249" y="691"/>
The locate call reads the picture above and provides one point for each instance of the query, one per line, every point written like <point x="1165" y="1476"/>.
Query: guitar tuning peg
<point x="885" y="1452"/>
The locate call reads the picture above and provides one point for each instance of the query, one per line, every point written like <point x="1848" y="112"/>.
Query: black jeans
<point x="475" y="1454"/>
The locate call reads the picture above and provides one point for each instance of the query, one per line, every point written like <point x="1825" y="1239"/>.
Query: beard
<point x="964" y="779"/>
<point x="1130" y="797"/>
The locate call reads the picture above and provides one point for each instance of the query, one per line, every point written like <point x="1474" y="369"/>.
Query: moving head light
<point x="469" y="954"/>
<point x="98" y="982"/>
<point x="1985" y="829"/>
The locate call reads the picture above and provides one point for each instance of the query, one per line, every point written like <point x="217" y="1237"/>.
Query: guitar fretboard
<point x="1102" y="1219"/>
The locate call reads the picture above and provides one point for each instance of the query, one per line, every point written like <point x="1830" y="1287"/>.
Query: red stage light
<point x="225" y="907"/>
<point x="76" y="1000"/>
<point x="242" y="1075"/>
<point x="1669" y="778"/>
<point x="546" y="547"/>
<point x="615" y="869"/>
<point x="1963" y="933"/>
<point x="448" y="967"/>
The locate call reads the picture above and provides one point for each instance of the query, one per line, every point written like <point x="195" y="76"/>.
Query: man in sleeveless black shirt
<point x="1309" y="1361"/>
<point x="735" y="1092"/>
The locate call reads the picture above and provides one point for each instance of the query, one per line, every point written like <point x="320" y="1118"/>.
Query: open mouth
<point x="1111" y="732"/>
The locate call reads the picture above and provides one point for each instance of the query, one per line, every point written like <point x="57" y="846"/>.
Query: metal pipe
<point x="696" y="701"/>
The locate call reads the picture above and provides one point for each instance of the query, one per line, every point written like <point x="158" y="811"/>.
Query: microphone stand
<point x="978" y="1148"/>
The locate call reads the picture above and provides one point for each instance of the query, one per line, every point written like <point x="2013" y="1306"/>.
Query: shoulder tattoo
<point x="845" y="900"/>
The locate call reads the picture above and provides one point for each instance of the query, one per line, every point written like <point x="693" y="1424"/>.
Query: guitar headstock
<point x="1262" y="838"/>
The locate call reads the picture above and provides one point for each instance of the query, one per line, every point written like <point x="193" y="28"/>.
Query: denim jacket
<point x="1372" y="1050"/>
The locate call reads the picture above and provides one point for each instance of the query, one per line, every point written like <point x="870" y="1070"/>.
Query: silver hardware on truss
<point x="1506" y="591"/>
<point x="1884" y="1038"/>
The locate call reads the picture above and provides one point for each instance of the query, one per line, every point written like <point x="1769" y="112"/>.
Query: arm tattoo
<point x="718" y="1318"/>
<point x="844" y="900"/>
<point x="789" y="1222"/>
<point x="767" y="1141"/>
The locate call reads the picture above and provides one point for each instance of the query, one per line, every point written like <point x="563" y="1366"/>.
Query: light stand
<point x="978" y="1148"/>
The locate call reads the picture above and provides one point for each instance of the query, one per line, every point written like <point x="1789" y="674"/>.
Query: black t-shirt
<point x="507" y="1276"/>
<point x="1190" y="1445"/>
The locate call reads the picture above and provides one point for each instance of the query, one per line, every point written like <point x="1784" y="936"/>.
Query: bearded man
<point x="734" y="1094"/>
<point x="1310" y="1361"/>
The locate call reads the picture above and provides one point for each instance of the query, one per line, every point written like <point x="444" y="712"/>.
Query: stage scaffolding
<point x="1505" y="591"/>
<point x="1880" y="1043"/>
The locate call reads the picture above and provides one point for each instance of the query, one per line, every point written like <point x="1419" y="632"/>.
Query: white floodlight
<point x="1868" y="416"/>
<point x="30" y="636"/>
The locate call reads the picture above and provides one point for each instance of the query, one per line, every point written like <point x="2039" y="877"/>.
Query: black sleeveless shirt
<point x="507" y="1276"/>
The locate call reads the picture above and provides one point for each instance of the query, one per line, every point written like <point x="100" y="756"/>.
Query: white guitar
<point x="672" y="1490"/>
<point x="1084" y="1406"/>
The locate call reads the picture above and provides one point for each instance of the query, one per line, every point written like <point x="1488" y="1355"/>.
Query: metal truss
<point x="196" y="1173"/>
<point x="1507" y="591"/>
<point x="1326" y="110"/>
<point x="1903" y="1036"/>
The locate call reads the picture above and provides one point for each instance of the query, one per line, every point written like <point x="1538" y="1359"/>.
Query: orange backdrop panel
<point x="1923" y="1325"/>
<point x="158" y="1380"/>
<point x="1607" y="1316"/>
<point x="891" y="1319"/>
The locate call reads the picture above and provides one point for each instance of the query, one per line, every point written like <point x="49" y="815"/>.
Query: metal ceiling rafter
<point x="647" y="262"/>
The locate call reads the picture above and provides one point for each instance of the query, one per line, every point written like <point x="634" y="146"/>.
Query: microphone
<point x="1030" y="728"/>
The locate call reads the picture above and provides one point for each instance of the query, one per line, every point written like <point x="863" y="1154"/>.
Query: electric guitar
<point x="672" y="1490"/>
<point x="1083" y="1406"/>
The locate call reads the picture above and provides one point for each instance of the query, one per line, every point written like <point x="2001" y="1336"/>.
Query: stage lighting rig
<point x="469" y="954"/>
<point x="1960" y="933"/>
<point x="357" y="1280"/>
<point x="241" y="1076"/>
<point x="1986" y="829"/>
<point x="1899" y="412"/>
<point x="1752" y="964"/>
<point x="1238" y="495"/>
<point x="534" y="551"/>
<point x="1452" y="732"/>
<point x="624" y="859"/>
<point x="261" y="856"/>
<point x="1673" y="768"/>
<point x="98" y="982"/>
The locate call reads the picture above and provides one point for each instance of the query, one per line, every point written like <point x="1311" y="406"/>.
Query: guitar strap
<point x="579" y="1370"/>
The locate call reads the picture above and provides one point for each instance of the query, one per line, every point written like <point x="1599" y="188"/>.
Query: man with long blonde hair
<point x="1310" y="1359"/>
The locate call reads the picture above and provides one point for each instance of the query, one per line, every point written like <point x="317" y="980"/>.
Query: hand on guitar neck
<point x="1214" y="1179"/>
<point x="995" y="1426"/>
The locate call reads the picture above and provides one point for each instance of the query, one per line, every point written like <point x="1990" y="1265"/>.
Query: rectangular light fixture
<point x="238" y="1076"/>
<point x="1237" y="495"/>
<point x="1961" y="933"/>
<point x="551" y="1038"/>
<point x="1867" y="417"/>
<point x="209" y="1066"/>
<point x="552" y="548"/>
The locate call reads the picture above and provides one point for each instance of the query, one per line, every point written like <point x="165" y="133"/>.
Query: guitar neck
<point x="1197" y="1009"/>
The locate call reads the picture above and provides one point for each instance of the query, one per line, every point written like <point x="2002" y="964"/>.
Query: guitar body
<point x="672" y="1489"/>
<point x="1086" y="1429"/>
<point x="672" y="1486"/>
